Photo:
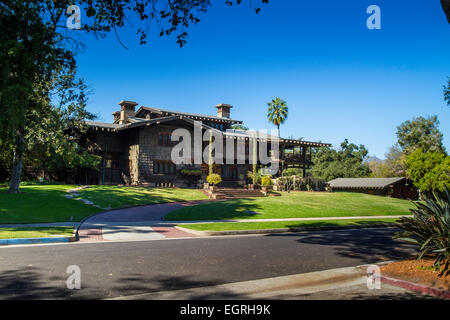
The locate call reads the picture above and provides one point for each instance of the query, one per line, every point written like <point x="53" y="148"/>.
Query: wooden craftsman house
<point x="136" y="148"/>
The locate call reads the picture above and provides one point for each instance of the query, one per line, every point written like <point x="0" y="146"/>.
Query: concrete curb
<point x="310" y="219"/>
<point x="15" y="241"/>
<point x="280" y="287"/>
<point x="283" y="230"/>
<point x="441" y="293"/>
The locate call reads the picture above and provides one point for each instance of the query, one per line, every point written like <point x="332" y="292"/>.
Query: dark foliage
<point x="429" y="229"/>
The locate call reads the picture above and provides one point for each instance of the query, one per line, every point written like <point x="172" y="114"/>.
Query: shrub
<point x="429" y="170"/>
<point x="191" y="172"/>
<point x="292" y="172"/>
<point x="266" y="181"/>
<point x="250" y="177"/>
<point x="429" y="228"/>
<point x="214" y="179"/>
<point x="299" y="183"/>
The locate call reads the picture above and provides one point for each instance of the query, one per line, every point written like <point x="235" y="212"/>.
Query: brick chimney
<point x="223" y="110"/>
<point x="127" y="109"/>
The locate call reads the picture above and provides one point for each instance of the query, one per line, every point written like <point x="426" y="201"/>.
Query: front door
<point x="230" y="172"/>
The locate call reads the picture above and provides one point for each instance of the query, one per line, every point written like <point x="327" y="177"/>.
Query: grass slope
<point x="46" y="203"/>
<point x="232" y="226"/>
<point x="10" y="233"/>
<point x="119" y="197"/>
<point x="41" y="203"/>
<point x="296" y="205"/>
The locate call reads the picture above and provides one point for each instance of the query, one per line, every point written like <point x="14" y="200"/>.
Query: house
<point x="394" y="187"/>
<point x="136" y="148"/>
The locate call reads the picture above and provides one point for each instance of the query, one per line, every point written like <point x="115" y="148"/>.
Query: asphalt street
<point x="113" y="269"/>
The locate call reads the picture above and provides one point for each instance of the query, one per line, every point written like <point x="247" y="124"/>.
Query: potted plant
<point x="266" y="182"/>
<point x="191" y="172"/>
<point x="254" y="178"/>
<point x="213" y="179"/>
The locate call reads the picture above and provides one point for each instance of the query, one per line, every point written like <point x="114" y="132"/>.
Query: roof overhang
<point x="198" y="117"/>
<point x="248" y="135"/>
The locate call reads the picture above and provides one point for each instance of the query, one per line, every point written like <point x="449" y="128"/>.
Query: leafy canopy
<point x="429" y="170"/>
<point x="347" y="162"/>
<point x="37" y="54"/>
<point x="392" y="166"/>
<point x="429" y="229"/>
<point x="420" y="133"/>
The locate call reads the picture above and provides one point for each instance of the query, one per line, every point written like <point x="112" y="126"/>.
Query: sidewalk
<point x="283" y="219"/>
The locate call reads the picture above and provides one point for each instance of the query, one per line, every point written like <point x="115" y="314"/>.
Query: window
<point x="164" y="139"/>
<point x="115" y="164"/>
<point x="164" y="167"/>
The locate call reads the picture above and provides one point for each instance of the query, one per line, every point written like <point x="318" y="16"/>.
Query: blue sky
<point x="339" y="79"/>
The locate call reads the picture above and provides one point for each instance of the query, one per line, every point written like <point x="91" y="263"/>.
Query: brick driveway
<point x="136" y="223"/>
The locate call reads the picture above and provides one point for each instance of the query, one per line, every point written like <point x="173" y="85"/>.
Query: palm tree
<point x="277" y="112"/>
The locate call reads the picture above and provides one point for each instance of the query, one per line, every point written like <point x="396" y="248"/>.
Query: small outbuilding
<point x="393" y="187"/>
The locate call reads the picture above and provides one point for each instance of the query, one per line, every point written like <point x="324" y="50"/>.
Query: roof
<point x="104" y="125"/>
<point x="264" y="135"/>
<point x="194" y="116"/>
<point x="363" y="183"/>
<point x="232" y="133"/>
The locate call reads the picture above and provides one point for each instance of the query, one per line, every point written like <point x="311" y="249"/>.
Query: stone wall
<point x="131" y="157"/>
<point x="150" y="150"/>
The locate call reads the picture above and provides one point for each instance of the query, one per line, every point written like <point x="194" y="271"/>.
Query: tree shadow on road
<point x="139" y="284"/>
<point x="366" y="245"/>
<point x="29" y="283"/>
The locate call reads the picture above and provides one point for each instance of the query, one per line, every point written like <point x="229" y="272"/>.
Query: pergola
<point x="297" y="153"/>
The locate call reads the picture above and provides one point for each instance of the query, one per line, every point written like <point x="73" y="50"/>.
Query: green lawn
<point x="296" y="205"/>
<point x="10" y="233"/>
<point x="232" y="226"/>
<point x="46" y="203"/>
<point x="120" y="197"/>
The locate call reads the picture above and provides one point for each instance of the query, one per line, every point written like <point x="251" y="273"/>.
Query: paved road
<point x="111" y="269"/>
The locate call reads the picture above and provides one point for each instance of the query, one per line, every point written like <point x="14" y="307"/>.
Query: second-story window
<point x="164" y="139"/>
